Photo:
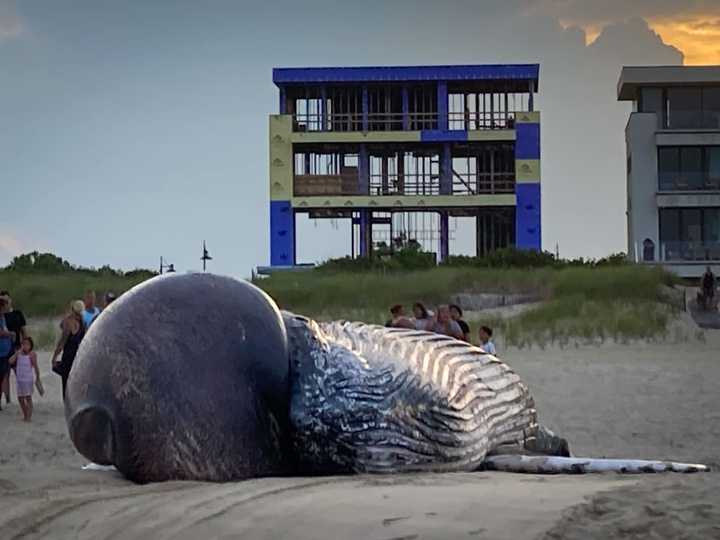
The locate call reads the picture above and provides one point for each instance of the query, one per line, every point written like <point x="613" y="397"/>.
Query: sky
<point x="135" y="129"/>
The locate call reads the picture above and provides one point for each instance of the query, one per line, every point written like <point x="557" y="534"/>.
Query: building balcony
<point x="687" y="251"/>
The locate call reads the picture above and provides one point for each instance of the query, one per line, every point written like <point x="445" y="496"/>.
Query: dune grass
<point x="40" y="294"/>
<point x="621" y="303"/>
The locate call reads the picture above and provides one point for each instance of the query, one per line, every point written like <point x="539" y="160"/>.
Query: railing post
<point x="405" y="108"/>
<point x="365" y="110"/>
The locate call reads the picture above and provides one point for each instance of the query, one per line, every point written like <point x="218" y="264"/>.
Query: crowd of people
<point x="446" y="320"/>
<point x="17" y="355"/>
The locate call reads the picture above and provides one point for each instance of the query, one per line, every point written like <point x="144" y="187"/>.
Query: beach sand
<point x="656" y="401"/>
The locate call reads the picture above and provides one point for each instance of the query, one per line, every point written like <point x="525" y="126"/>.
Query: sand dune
<point x="644" y="401"/>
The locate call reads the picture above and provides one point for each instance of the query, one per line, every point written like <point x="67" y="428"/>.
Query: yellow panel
<point x="530" y="117"/>
<point x="281" y="157"/>
<point x="527" y="170"/>
<point x="491" y="135"/>
<point x="405" y="201"/>
<point x="355" y="136"/>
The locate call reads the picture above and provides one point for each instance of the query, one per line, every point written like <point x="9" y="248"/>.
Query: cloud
<point x="11" y="24"/>
<point x="691" y="26"/>
<point x="10" y="246"/>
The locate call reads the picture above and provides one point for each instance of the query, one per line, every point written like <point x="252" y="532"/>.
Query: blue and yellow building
<point x="374" y="144"/>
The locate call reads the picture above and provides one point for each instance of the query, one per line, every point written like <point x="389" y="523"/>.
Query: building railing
<point x="483" y="183"/>
<point x="481" y="121"/>
<point x="414" y="121"/>
<point x="309" y="185"/>
<point x="407" y="184"/>
<point x="689" y="251"/>
<point x="685" y="184"/>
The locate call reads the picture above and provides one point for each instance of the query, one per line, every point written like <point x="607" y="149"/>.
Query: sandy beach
<point x="648" y="400"/>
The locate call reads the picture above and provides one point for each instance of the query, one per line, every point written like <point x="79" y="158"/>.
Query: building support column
<point x="283" y="101"/>
<point x="363" y="170"/>
<point x="323" y="107"/>
<point x="406" y="108"/>
<point x="446" y="179"/>
<point x="282" y="234"/>
<point x="365" y="233"/>
<point x="444" y="236"/>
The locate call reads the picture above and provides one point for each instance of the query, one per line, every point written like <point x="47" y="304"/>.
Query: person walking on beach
<point x="7" y="349"/>
<point x="27" y="375"/>
<point x="485" y="334"/>
<point x="15" y="322"/>
<point x="73" y="331"/>
<point x="91" y="311"/>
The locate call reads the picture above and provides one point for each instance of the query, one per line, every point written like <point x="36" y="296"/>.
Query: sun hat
<point x="77" y="306"/>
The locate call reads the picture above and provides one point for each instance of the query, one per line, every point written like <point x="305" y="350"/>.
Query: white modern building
<point x="673" y="166"/>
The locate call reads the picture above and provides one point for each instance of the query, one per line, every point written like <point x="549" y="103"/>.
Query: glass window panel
<point x="711" y="107"/>
<point x="669" y="225"/>
<point x="712" y="156"/>
<point x="691" y="225"/>
<point x="684" y="109"/>
<point x="691" y="167"/>
<point x="711" y="224"/>
<point x="668" y="167"/>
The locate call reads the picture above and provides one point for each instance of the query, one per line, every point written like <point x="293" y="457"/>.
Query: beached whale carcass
<point x="201" y="377"/>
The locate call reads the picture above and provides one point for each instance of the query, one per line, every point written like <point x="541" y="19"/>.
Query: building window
<point x="690" y="233"/>
<point x="684" y="108"/>
<point x="711" y="107"/>
<point x="688" y="168"/>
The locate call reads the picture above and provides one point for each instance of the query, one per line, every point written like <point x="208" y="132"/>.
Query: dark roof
<point x="495" y="72"/>
<point x="634" y="77"/>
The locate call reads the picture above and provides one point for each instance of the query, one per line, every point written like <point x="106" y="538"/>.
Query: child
<point x="485" y="333"/>
<point x="25" y="362"/>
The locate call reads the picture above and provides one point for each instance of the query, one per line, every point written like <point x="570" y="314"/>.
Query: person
<point x="73" y="331"/>
<point x="485" y="334"/>
<point x="398" y="318"/>
<point x="15" y="321"/>
<point x="91" y="310"/>
<point x="7" y="349"/>
<point x="708" y="284"/>
<point x="27" y="374"/>
<point x="109" y="298"/>
<point x="457" y="314"/>
<point x="444" y="324"/>
<point x="422" y="317"/>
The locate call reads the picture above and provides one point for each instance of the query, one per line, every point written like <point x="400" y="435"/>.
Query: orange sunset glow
<point x="697" y="37"/>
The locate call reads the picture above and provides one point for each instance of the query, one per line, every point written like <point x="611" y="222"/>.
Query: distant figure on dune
<point x="73" y="331"/>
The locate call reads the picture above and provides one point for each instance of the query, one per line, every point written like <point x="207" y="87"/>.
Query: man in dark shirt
<point x="708" y="283"/>
<point x="15" y="322"/>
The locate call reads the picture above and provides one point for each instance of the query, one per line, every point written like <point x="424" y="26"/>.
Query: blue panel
<point x="442" y="105"/>
<point x="443" y="135"/>
<point x="523" y="72"/>
<point x="527" y="143"/>
<point x="365" y="110"/>
<point x="282" y="234"/>
<point x="528" y="234"/>
<point x="283" y="101"/>
<point x="444" y="236"/>
<point x="365" y="233"/>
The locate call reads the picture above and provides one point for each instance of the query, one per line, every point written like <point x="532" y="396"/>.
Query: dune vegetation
<point x="585" y="300"/>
